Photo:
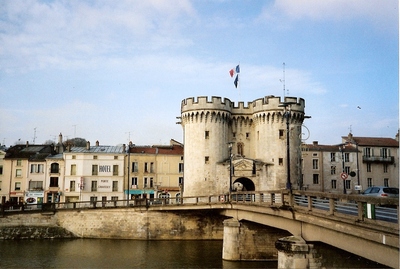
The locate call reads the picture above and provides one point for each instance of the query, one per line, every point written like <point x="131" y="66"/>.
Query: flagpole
<point x="239" y="82"/>
<point x="283" y="81"/>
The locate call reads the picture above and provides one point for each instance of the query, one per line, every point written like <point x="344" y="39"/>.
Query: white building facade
<point x="94" y="173"/>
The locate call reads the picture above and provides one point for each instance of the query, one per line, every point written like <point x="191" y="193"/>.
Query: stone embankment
<point x="117" y="223"/>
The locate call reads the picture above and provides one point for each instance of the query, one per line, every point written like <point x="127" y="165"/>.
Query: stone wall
<point x="115" y="223"/>
<point x="34" y="232"/>
<point x="257" y="242"/>
<point x="245" y="240"/>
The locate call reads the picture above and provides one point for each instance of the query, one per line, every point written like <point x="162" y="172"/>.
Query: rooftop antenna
<point x="129" y="136"/>
<point x="74" y="130"/>
<point x="34" y="135"/>
<point x="283" y="81"/>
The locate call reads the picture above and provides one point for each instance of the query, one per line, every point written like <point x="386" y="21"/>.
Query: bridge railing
<point x="354" y="206"/>
<point x="360" y="206"/>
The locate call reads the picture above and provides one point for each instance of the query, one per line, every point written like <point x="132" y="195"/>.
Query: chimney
<point x="315" y="143"/>
<point x="27" y="143"/>
<point x="350" y="137"/>
<point x="87" y="145"/>
<point x="123" y="148"/>
<point x="130" y="144"/>
<point x="97" y="143"/>
<point x="60" y="138"/>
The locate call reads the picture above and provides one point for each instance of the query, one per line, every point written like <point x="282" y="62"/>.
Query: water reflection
<point x="96" y="253"/>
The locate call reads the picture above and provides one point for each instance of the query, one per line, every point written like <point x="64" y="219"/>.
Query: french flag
<point x="234" y="71"/>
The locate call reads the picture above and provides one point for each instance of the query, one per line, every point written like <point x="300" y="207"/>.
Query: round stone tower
<point x="206" y="126"/>
<point x="270" y="128"/>
<point x="258" y="134"/>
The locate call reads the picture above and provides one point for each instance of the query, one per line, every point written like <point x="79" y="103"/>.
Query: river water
<point x="103" y="253"/>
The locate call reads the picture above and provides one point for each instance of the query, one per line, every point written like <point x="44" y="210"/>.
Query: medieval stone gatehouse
<point x="257" y="134"/>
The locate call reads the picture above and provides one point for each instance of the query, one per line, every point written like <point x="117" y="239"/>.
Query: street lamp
<point x="358" y="169"/>
<point x="287" y="110"/>
<point x="129" y="170"/>
<point x="341" y="149"/>
<point x="230" y="146"/>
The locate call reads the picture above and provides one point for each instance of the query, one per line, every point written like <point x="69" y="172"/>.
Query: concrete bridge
<point x="348" y="222"/>
<point x="354" y="223"/>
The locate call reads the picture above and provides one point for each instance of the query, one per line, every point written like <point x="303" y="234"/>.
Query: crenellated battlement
<point x="268" y="103"/>
<point x="203" y="103"/>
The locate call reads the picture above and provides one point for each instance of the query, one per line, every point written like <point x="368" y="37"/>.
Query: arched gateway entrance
<point x="243" y="184"/>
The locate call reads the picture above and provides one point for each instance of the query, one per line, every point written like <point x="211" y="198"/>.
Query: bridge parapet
<point x="352" y="207"/>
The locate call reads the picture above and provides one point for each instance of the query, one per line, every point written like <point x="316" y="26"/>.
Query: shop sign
<point x="104" y="185"/>
<point x="32" y="197"/>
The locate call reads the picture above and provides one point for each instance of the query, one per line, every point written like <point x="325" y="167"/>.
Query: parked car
<point x="381" y="191"/>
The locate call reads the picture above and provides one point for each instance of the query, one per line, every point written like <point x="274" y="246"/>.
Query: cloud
<point x="62" y="34"/>
<point x="381" y="14"/>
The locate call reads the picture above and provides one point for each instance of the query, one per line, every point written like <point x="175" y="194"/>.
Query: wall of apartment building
<point x="16" y="174"/>
<point x="155" y="174"/>
<point x="104" y="182"/>
<point x="4" y="186"/>
<point x="329" y="170"/>
<point x="379" y="173"/>
<point x="332" y="170"/>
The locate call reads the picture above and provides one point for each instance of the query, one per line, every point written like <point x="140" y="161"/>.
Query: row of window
<point x="148" y="167"/>
<point x="369" y="169"/>
<point x="38" y="185"/>
<point x="148" y="182"/>
<point x="348" y="182"/>
<point x="98" y="168"/>
<point x="95" y="157"/>
<point x="383" y="152"/>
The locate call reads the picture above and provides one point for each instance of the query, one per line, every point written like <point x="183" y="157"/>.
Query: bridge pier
<point x="249" y="241"/>
<point x="230" y="247"/>
<point x="294" y="252"/>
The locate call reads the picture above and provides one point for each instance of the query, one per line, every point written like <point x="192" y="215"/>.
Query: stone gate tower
<point x="258" y="135"/>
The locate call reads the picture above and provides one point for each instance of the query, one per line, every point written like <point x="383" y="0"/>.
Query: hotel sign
<point x="105" y="169"/>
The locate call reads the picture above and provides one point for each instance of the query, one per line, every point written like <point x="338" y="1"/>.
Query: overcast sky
<point x="118" y="70"/>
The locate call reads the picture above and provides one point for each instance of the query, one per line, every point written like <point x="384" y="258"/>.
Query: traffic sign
<point x="344" y="176"/>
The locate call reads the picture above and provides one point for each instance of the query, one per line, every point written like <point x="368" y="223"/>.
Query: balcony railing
<point x="377" y="159"/>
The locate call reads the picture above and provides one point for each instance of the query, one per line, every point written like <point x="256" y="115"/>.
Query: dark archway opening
<point x="243" y="184"/>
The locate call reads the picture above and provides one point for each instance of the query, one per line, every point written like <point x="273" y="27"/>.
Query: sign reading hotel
<point x="105" y="169"/>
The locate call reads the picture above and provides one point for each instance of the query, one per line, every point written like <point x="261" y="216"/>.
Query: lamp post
<point x="129" y="170"/>
<point x="287" y="110"/>
<point x="341" y="149"/>
<point x="358" y="169"/>
<point x="230" y="146"/>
